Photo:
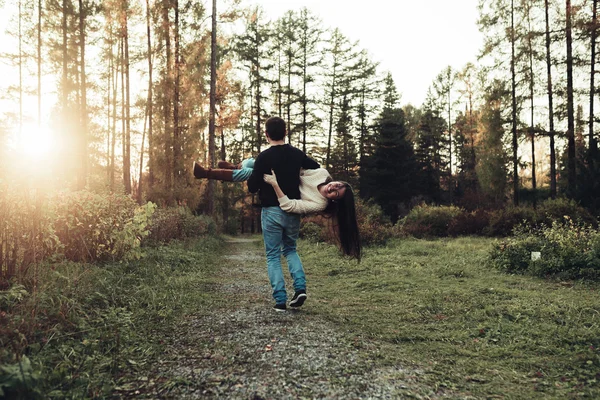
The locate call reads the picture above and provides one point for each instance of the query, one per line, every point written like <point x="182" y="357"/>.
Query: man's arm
<point x="309" y="163"/>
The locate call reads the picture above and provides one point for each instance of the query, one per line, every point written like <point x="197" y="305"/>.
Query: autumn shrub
<point x="503" y="221"/>
<point x="374" y="227"/>
<point x="173" y="223"/>
<point x="556" y="210"/>
<point x="26" y="230"/>
<point x="469" y="223"/>
<point x="566" y="250"/>
<point x="428" y="221"/>
<point x="99" y="227"/>
<point x="313" y="229"/>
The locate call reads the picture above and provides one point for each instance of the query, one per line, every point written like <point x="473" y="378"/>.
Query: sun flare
<point x="33" y="141"/>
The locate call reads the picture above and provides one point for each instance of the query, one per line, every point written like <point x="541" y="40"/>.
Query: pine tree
<point x="388" y="176"/>
<point x="306" y="62"/>
<point x="492" y="159"/>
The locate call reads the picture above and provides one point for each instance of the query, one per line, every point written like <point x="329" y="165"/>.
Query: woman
<point x="319" y="194"/>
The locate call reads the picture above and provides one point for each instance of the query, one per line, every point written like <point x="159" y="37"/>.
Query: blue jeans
<point x="280" y="232"/>
<point x="241" y="175"/>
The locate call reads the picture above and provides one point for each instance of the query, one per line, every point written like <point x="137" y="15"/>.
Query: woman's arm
<point x="272" y="180"/>
<point x="292" y="205"/>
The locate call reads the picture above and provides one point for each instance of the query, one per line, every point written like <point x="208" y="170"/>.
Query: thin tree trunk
<point x="592" y="141"/>
<point x="177" y="145"/>
<point x="115" y="89"/>
<point x="65" y="55"/>
<point x="150" y="106"/>
<point x="139" y="188"/>
<point x="84" y="114"/>
<point x="108" y="98"/>
<point x="532" y="125"/>
<point x="20" y="74"/>
<point x="210" y="193"/>
<point x="288" y="105"/>
<point x="514" y="107"/>
<point x="550" y="108"/>
<point x="331" y="109"/>
<point x="39" y="63"/>
<point x="167" y="106"/>
<point x="571" y="172"/>
<point x="127" y="145"/>
<point x="123" y="118"/>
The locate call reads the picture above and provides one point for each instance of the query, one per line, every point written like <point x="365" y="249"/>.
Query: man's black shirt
<point x="286" y="161"/>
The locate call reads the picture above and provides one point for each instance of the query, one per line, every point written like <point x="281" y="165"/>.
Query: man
<point x="280" y="229"/>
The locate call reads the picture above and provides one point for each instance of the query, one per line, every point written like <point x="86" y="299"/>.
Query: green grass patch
<point x="439" y="306"/>
<point x="88" y="326"/>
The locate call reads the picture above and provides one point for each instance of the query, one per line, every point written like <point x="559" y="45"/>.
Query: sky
<point x="412" y="39"/>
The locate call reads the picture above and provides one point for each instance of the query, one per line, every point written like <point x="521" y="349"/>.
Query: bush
<point x="374" y="227"/>
<point x="504" y="221"/>
<point x="556" y="210"/>
<point x="427" y="221"/>
<point x="26" y="231"/>
<point x="568" y="250"/>
<point x="99" y="227"/>
<point x="311" y="229"/>
<point x="469" y="223"/>
<point x="178" y="223"/>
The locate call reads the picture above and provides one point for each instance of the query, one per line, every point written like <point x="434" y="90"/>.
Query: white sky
<point x="413" y="39"/>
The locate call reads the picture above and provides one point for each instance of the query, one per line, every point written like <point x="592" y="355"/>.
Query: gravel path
<point x="242" y="349"/>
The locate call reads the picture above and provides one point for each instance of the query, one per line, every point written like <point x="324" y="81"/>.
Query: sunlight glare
<point x="34" y="141"/>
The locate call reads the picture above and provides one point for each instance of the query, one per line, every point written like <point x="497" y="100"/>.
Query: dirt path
<point x="242" y="349"/>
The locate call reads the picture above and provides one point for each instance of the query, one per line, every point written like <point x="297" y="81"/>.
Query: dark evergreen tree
<point x="429" y="145"/>
<point x="388" y="176"/>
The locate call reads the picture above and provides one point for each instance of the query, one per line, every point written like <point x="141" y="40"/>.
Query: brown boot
<point x="208" y="173"/>
<point x="227" y="165"/>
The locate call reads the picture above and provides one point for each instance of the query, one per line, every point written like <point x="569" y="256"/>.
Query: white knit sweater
<point x="312" y="201"/>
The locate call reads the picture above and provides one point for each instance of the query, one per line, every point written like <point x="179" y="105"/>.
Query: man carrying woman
<point x="276" y="175"/>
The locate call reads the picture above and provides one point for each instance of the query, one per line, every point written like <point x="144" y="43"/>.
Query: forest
<point x="119" y="98"/>
<point x="487" y="195"/>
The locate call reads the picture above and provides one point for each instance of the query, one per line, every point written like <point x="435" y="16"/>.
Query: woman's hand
<point x="271" y="179"/>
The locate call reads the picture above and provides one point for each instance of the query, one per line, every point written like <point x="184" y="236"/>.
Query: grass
<point x="439" y="306"/>
<point x="89" y="325"/>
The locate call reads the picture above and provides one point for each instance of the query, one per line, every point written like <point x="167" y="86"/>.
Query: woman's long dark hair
<point x="343" y="211"/>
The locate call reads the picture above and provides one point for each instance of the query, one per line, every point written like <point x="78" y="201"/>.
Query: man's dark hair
<point x="275" y="128"/>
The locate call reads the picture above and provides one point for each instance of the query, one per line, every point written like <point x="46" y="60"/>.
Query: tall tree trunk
<point x="363" y="126"/>
<point x="20" y="74"/>
<point x="177" y="145"/>
<point x="150" y="106"/>
<point x="210" y="193"/>
<point x="550" y="107"/>
<point x="39" y="63"/>
<point x="592" y="141"/>
<point x="288" y="104"/>
<point x="532" y="125"/>
<point x="82" y="175"/>
<point x="115" y="89"/>
<point x="514" y="106"/>
<point x="127" y="144"/>
<point x="331" y="109"/>
<point x="109" y="76"/>
<point x="571" y="173"/>
<point x="139" y="187"/>
<point x="123" y="117"/>
<point x="65" y="57"/>
<point x="168" y="170"/>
